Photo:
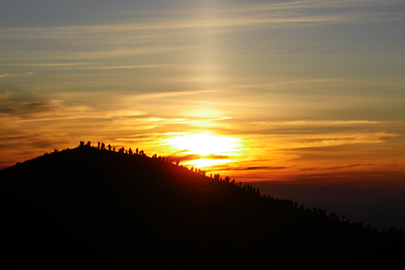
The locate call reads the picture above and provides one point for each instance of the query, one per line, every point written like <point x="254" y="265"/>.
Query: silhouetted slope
<point x="96" y="208"/>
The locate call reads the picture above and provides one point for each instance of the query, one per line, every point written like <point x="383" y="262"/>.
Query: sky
<point x="309" y="91"/>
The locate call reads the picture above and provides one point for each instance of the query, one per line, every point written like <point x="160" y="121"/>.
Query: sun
<point x="205" y="144"/>
<point x="209" y="149"/>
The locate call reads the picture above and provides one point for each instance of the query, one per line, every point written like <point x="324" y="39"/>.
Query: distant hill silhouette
<point x="91" y="207"/>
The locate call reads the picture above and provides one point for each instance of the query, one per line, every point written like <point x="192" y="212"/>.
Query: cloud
<point x="31" y="140"/>
<point x="42" y="65"/>
<point x="10" y="75"/>
<point x="76" y="66"/>
<point x="166" y="94"/>
<point x="254" y="168"/>
<point x="30" y="108"/>
<point x="336" y="167"/>
<point x="5" y="96"/>
<point x="18" y="107"/>
<point x="252" y="14"/>
<point x="120" y="67"/>
<point x="236" y="168"/>
<point x="312" y="123"/>
<point x="313" y="134"/>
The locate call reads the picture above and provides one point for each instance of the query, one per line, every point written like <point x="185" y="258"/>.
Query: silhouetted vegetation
<point x="94" y="207"/>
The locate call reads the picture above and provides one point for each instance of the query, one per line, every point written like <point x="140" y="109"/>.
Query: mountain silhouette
<point x="91" y="207"/>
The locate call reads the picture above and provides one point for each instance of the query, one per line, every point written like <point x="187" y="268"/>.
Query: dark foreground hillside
<point x="91" y="208"/>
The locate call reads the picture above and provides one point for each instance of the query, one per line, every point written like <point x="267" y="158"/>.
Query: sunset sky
<point x="310" y="90"/>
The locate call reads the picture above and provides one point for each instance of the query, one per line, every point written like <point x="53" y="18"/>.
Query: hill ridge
<point x="114" y="203"/>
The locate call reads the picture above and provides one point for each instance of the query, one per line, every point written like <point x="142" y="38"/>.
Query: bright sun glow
<point x="204" y="144"/>
<point x="210" y="149"/>
<point x="204" y="163"/>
